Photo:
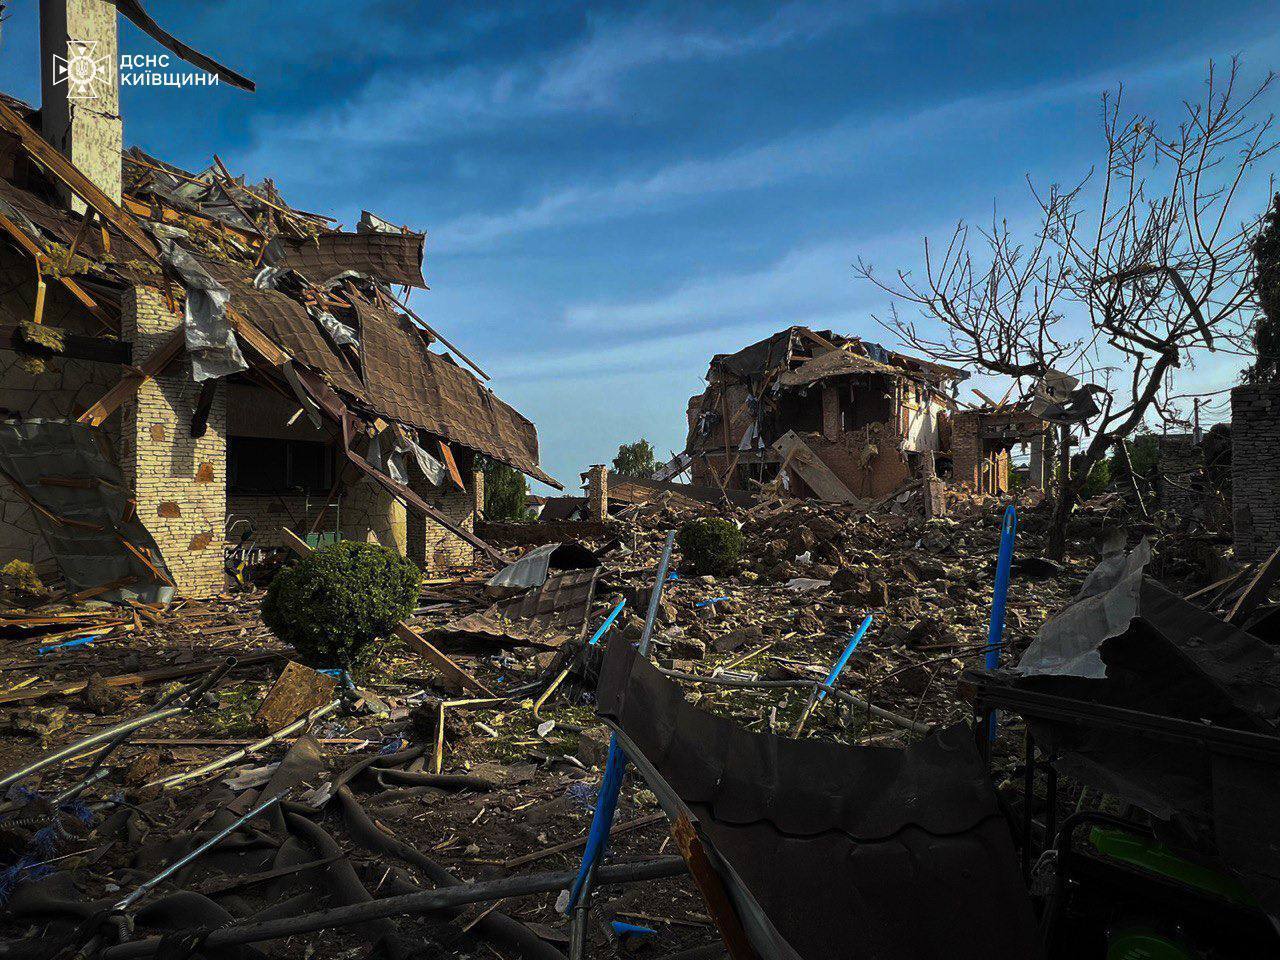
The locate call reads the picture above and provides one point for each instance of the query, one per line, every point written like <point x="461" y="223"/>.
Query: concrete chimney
<point x="80" y="89"/>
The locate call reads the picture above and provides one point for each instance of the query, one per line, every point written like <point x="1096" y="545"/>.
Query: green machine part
<point x="1142" y="943"/>
<point x="1154" y="857"/>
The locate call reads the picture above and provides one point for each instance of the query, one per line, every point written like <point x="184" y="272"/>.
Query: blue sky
<point x="613" y="193"/>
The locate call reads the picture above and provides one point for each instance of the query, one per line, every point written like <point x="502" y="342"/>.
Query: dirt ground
<point x="811" y="573"/>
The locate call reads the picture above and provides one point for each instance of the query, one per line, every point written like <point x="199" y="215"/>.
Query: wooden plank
<point x="820" y="478"/>
<point x="154" y="365"/>
<point x="138" y="679"/>
<point x="1223" y="584"/>
<point x="437" y="657"/>
<point x="452" y="465"/>
<point x="707" y="880"/>
<point x="73" y="288"/>
<point x="63" y="170"/>
<point x="1257" y="590"/>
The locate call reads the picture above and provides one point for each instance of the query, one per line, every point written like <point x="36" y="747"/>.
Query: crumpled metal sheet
<point x="211" y="343"/>
<point x="534" y="567"/>
<point x="1165" y="657"/>
<point x="1107" y="602"/>
<point x="390" y="257"/>
<point x="32" y="450"/>
<point x="548" y="616"/>
<point x="831" y="851"/>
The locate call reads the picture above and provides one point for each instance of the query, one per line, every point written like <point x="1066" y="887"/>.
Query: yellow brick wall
<point x="180" y="483"/>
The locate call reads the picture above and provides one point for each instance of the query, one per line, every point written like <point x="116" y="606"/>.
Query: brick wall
<point x="967" y="450"/>
<point x="1255" y="470"/>
<point x="430" y="545"/>
<point x="179" y="482"/>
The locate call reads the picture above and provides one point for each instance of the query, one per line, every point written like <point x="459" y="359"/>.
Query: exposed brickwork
<point x="597" y="485"/>
<point x="430" y="545"/>
<point x="1255" y="470"/>
<point x="161" y="461"/>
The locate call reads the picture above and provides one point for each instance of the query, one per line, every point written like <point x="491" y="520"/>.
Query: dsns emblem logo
<point x="85" y="75"/>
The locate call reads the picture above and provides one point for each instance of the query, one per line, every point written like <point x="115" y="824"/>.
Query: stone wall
<point x="1180" y="463"/>
<point x="53" y="389"/>
<point x="179" y="482"/>
<point x="1255" y="470"/>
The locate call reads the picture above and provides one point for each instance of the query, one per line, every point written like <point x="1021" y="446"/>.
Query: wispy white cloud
<point x="831" y="150"/>
<point x="398" y="106"/>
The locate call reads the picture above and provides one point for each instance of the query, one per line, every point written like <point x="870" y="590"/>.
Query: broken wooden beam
<point x="1257" y="590"/>
<point x="69" y="175"/>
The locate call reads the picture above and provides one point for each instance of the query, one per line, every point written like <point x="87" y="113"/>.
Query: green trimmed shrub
<point x="333" y="605"/>
<point x="710" y="546"/>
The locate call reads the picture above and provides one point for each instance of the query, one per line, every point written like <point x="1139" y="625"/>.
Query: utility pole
<point x="1195" y="418"/>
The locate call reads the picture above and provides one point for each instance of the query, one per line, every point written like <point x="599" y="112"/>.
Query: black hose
<point x="496" y="925"/>
<point x="427" y="901"/>
<point x="345" y="886"/>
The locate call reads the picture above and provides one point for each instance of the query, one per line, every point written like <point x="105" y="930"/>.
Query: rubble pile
<point x="399" y="780"/>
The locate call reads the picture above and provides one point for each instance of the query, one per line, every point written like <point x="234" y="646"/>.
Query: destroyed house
<point x="843" y="419"/>
<point x="188" y="365"/>
<point x="833" y="417"/>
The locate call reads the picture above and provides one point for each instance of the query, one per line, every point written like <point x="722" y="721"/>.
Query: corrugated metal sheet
<point x="833" y="851"/>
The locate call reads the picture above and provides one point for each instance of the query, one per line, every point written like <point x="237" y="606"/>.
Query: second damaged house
<point x="189" y="351"/>
<point x="842" y="419"/>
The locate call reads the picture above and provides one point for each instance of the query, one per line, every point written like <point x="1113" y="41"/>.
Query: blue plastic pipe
<point x="608" y="622"/>
<point x="844" y="657"/>
<point x="77" y="642"/>
<point x="995" y="632"/>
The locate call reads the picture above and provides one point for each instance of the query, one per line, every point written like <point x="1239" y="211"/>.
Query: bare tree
<point x="1152" y="256"/>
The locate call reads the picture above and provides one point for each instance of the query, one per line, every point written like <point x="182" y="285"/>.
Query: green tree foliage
<point x="710" y="546"/>
<point x="635" y="459"/>
<point x="1266" y="287"/>
<point x="1097" y="481"/>
<point x="1142" y="454"/>
<point x="333" y="605"/>
<point x="506" y="493"/>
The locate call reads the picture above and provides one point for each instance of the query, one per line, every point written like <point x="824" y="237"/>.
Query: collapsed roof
<point x="798" y="356"/>
<point x="321" y="295"/>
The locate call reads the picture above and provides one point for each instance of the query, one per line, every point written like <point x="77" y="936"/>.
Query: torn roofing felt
<point x="83" y="508"/>
<point x="411" y="384"/>
<point x="831" y="851"/>
<point x="392" y="257"/>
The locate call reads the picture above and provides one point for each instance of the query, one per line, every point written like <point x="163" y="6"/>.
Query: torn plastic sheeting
<point x="533" y="568"/>
<point x="1067" y="645"/>
<point x="342" y="334"/>
<point x="393" y="463"/>
<point x="31" y="450"/>
<point x="211" y="343"/>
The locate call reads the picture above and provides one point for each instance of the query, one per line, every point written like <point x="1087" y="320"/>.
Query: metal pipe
<point x="81" y="746"/>
<point x="655" y="595"/>
<point x="410" y="904"/>
<point x="610" y="785"/>
<point x="213" y="841"/>
<point x="303" y="721"/>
